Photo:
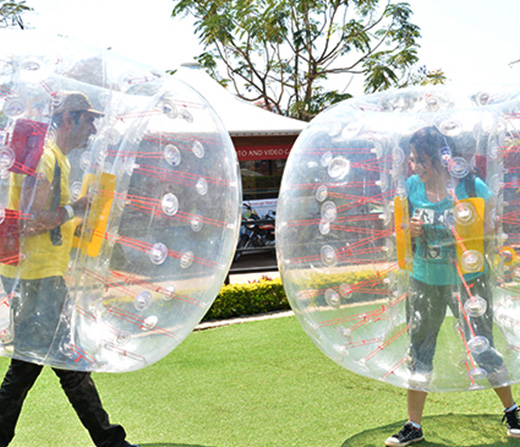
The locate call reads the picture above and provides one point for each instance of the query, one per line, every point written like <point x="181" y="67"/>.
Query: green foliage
<point x="282" y="51"/>
<point x="11" y="13"/>
<point x="423" y="76"/>
<point x="321" y="99"/>
<point x="319" y="281"/>
<point x="257" y="297"/>
<point x="268" y="295"/>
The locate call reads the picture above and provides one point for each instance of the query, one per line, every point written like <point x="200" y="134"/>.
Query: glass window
<point x="261" y="178"/>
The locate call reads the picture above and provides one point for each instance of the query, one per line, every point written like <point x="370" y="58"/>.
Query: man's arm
<point x="34" y="196"/>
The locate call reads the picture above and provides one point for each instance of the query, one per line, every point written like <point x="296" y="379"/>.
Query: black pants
<point x="80" y="390"/>
<point x="39" y="328"/>
<point x="426" y="310"/>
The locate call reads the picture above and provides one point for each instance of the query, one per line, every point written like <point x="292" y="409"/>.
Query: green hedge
<point x="256" y="297"/>
<point x="268" y="295"/>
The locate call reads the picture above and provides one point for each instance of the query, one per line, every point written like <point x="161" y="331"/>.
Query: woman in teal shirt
<point x="435" y="275"/>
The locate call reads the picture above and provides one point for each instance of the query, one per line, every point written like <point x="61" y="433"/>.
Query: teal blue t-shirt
<point x="435" y="250"/>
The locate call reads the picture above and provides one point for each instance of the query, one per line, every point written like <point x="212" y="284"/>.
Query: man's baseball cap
<point x="74" y="102"/>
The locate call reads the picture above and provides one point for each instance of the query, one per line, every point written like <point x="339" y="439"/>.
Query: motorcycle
<point x="256" y="233"/>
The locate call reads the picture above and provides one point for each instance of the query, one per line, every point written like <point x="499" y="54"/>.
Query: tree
<point x="423" y="76"/>
<point x="11" y="13"/>
<point x="282" y="51"/>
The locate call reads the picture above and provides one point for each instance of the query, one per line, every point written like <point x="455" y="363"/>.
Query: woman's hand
<point x="415" y="226"/>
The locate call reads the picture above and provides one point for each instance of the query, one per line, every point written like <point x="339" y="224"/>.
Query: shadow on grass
<point x="445" y="431"/>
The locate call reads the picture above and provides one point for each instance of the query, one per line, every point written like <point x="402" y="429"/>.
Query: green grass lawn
<point x="255" y="384"/>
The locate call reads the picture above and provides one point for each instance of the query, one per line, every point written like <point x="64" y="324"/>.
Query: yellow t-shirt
<point x="42" y="258"/>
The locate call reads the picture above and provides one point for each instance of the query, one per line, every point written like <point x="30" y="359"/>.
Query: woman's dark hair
<point x="431" y="142"/>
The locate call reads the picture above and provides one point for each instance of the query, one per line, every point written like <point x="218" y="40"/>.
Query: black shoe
<point x="408" y="435"/>
<point x="127" y="444"/>
<point x="513" y="426"/>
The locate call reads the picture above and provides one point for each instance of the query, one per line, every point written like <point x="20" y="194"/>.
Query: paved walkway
<point x="260" y="317"/>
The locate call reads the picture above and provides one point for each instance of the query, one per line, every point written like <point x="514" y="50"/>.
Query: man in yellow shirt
<point x="38" y="322"/>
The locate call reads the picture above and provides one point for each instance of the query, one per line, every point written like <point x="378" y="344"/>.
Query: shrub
<point x="268" y="295"/>
<point x="256" y="297"/>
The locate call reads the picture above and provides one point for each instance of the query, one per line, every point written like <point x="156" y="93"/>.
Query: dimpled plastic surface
<point x="346" y="253"/>
<point x="159" y="234"/>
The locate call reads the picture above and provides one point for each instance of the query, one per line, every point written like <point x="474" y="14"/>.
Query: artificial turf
<point x="261" y="383"/>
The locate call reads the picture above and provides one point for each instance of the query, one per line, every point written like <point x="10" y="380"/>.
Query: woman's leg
<point x="415" y="401"/>
<point x="480" y="324"/>
<point x="505" y="395"/>
<point x="426" y="310"/>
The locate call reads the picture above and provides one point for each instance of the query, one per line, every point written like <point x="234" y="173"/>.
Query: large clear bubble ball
<point x="398" y="230"/>
<point x="121" y="197"/>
